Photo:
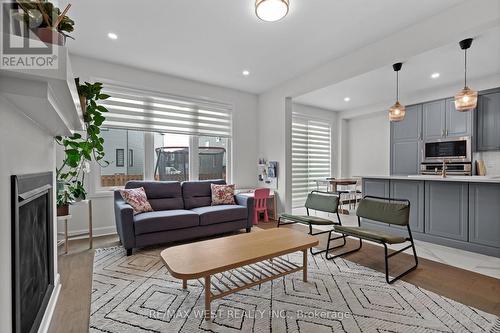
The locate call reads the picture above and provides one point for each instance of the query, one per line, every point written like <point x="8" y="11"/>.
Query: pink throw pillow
<point x="222" y="194"/>
<point x="136" y="197"/>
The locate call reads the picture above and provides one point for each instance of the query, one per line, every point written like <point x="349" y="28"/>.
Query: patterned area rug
<point x="136" y="294"/>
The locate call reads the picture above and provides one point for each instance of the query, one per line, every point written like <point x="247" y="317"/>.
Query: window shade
<point x="148" y="111"/>
<point x="311" y="149"/>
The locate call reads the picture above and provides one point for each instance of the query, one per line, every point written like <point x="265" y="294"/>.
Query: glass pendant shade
<point x="397" y="112"/>
<point x="466" y="100"/>
<point x="271" y="10"/>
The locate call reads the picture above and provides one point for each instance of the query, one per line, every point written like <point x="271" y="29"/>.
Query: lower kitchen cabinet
<point x="446" y="209"/>
<point x="413" y="191"/>
<point x="484" y="214"/>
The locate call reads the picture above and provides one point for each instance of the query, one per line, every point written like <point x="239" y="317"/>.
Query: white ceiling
<point x="379" y="86"/>
<point x="214" y="40"/>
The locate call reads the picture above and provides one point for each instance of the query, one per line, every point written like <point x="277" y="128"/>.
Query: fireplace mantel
<point x="47" y="96"/>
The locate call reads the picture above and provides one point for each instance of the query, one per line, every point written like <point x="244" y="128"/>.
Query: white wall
<point x="244" y="141"/>
<point x="367" y="142"/>
<point x="24" y="149"/>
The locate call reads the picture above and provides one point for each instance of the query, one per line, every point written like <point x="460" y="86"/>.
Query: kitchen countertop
<point x="466" y="179"/>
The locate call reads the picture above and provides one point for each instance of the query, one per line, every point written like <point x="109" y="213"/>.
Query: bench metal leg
<point x="328" y="248"/>
<point x="343" y="253"/>
<point x="387" y="256"/>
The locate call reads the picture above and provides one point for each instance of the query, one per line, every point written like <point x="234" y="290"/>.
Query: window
<point x="165" y="137"/>
<point x="171" y="156"/>
<point x="212" y="155"/>
<point x="121" y="170"/>
<point x="130" y="157"/>
<point x="311" y="160"/>
<point x="120" y="157"/>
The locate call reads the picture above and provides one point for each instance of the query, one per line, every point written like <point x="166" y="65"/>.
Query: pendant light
<point x="271" y="10"/>
<point x="397" y="111"/>
<point x="465" y="99"/>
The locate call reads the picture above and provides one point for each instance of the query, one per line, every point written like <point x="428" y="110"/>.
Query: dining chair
<point x="261" y="195"/>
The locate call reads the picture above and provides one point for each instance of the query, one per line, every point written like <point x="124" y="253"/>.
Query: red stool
<point x="260" y="198"/>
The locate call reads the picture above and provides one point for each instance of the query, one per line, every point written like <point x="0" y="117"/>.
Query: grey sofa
<point x="182" y="211"/>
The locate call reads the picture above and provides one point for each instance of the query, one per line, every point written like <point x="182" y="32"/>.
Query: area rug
<point x="137" y="294"/>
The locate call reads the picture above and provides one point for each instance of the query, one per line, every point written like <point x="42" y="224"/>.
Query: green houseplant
<point x="47" y="21"/>
<point x="81" y="149"/>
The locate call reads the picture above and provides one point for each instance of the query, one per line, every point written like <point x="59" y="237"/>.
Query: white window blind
<point x="149" y="111"/>
<point x="311" y="149"/>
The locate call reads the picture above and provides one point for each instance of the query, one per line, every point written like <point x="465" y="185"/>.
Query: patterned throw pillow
<point x="136" y="197"/>
<point x="222" y="194"/>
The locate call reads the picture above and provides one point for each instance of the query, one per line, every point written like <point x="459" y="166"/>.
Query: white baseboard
<point x="51" y="306"/>
<point x="101" y="231"/>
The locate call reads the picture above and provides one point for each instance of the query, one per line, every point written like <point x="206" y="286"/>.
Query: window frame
<point x="94" y="180"/>
<point x="97" y="190"/>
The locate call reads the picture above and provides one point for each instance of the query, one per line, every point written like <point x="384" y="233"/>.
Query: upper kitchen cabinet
<point x="434" y="119"/>
<point x="441" y="119"/>
<point x="410" y="128"/>
<point x="488" y="121"/>
<point x="405" y="142"/>
<point x="458" y="123"/>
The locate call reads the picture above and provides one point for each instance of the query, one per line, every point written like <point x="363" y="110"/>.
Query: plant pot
<point x="83" y="103"/>
<point x="63" y="210"/>
<point x="50" y="36"/>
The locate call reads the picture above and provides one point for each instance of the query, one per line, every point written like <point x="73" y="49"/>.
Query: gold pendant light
<point x="465" y="99"/>
<point x="271" y="10"/>
<point x="397" y="111"/>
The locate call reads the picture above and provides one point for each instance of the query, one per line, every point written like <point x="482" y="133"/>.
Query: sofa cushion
<point x="161" y="195"/>
<point x="222" y="213"/>
<point x="198" y="193"/>
<point x="165" y="220"/>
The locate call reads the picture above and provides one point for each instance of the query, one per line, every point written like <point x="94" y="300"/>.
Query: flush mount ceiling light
<point x="112" y="35"/>
<point x="397" y="111"/>
<point x="435" y="75"/>
<point x="271" y="10"/>
<point x="465" y="99"/>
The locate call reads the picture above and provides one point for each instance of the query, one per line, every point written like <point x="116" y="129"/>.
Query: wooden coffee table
<point x="238" y="262"/>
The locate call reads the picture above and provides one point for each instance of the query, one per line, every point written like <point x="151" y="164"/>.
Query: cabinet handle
<point x="446" y="133"/>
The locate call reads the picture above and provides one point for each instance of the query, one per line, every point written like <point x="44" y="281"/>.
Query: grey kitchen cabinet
<point x="410" y="128"/>
<point x="488" y="121"/>
<point x="484" y="214"/>
<point x="458" y="123"/>
<point x="414" y="192"/>
<point x="406" y="138"/>
<point x="446" y="209"/>
<point x="434" y="119"/>
<point x="376" y="187"/>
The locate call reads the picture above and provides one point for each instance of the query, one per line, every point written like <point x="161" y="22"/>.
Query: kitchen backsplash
<point x="491" y="160"/>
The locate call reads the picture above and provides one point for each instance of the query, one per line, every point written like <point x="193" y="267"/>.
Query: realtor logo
<point x="20" y="47"/>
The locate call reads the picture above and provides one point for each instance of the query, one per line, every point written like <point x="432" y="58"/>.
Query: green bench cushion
<point x="370" y="234"/>
<point x="307" y="219"/>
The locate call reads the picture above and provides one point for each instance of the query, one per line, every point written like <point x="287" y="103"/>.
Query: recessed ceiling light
<point x="271" y="10"/>
<point x="112" y="35"/>
<point x="347" y="99"/>
<point x="245" y="72"/>
<point x="435" y="75"/>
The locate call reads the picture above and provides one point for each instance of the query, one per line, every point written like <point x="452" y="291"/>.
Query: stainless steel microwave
<point x="457" y="149"/>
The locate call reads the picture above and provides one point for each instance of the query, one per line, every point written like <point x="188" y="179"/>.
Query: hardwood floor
<point x="73" y="307"/>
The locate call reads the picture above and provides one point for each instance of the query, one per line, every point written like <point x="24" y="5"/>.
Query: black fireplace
<point x="32" y="250"/>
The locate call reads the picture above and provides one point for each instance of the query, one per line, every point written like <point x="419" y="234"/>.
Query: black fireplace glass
<point x="34" y="258"/>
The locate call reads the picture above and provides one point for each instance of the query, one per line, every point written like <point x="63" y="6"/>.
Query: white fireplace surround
<point x="35" y="106"/>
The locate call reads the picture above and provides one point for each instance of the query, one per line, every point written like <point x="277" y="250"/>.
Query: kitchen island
<point x="456" y="211"/>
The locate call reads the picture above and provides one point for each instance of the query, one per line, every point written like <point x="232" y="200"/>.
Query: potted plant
<point x="47" y="21"/>
<point x="81" y="149"/>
